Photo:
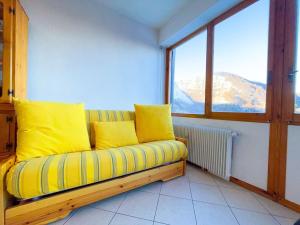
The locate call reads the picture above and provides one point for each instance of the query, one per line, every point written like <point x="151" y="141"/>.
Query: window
<point x="235" y="49"/>
<point x="188" y="71"/>
<point x="240" y="61"/>
<point x="297" y="83"/>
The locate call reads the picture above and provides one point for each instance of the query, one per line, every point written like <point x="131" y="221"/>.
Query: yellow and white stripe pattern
<point x="50" y="174"/>
<point x="104" y="116"/>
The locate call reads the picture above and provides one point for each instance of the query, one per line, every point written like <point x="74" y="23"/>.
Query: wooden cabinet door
<point x="20" y="53"/>
<point x="6" y="50"/>
<point x="5" y="121"/>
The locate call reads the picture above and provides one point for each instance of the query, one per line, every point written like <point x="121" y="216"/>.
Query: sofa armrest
<point x="5" y="199"/>
<point x="181" y="139"/>
<point x="5" y="165"/>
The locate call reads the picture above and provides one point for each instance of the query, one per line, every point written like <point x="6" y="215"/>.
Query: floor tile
<point x="245" y="217"/>
<point x="127" y="220"/>
<point x="226" y="184"/>
<point x="62" y="221"/>
<point x="191" y="168"/>
<point x="207" y="193"/>
<point x="175" y="211"/>
<point x="111" y="204"/>
<point x="175" y="206"/>
<point x="198" y="176"/>
<point x="243" y="200"/>
<point x="140" y="204"/>
<point x="211" y="214"/>
<point x="90" y="216"/>
<point x="285" y="221"/>
<point x="178" y="187"/>
<point x="152" y="188"/>
<point x="277" y="209"/>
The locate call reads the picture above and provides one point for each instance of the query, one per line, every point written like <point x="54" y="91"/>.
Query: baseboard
<point x="243" y="184"/>
<point x="289" y="204"/>
<point x="252" y="188"/>
<point x="259" y="191"/>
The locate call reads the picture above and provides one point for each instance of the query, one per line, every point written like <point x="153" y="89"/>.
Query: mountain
<point x="184" y="103"/>
<point x="231" y="93"/>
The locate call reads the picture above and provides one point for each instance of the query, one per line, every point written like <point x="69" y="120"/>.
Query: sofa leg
<point x="180" y="172"/>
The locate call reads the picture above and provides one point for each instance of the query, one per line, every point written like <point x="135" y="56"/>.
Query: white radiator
<point x="209" y="148"/>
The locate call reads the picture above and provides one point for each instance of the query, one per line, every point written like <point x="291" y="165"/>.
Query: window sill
<point x="245" y="117"/>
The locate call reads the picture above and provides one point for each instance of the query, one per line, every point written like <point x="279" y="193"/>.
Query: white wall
<point x="88" y="53"/>
<point x="193" y="16"/>
<point x="293" y="165"/>
<point x="83" y="52"/>
<point x="250" y="148"/>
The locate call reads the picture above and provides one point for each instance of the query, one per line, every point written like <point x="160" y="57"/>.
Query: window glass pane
<point x="297" y="88"/>
<point x="188" y="71"/>
<point x="240" y="61"/>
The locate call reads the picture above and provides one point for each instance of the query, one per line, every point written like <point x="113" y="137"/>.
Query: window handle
<point x="292" y="75"/>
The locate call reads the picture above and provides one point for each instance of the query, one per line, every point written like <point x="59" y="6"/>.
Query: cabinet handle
<point x="10" y="92"/>
<point x="9" y="119"/>
<point x="9" y="146"/>
<point x="12" y="10"/>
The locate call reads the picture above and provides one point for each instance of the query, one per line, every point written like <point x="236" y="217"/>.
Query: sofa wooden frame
<point x="57" y="206"/>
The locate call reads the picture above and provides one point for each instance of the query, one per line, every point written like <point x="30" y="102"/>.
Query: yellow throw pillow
<point x="46" y="128"/>
<point x="115" y="134"/>
<point x="153" y="123"/>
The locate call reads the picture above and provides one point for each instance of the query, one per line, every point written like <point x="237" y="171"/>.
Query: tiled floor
<point x="196" y="199"/>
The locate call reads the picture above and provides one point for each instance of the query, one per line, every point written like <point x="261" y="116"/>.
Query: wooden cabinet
<point x="7" y="137"/>
<point x="13" y="50"/>
<point x="6" y="15"/>
<point x="13" y="68"/>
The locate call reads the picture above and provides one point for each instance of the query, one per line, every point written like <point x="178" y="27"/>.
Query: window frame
<point x="169" y="74"/>
<point x="289" y="114"/>
<point x="208" y="113"/>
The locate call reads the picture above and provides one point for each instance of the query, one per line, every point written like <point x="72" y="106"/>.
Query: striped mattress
<point x="45" y="175"/>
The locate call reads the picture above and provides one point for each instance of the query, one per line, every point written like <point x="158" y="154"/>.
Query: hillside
<point x="231" y="93"/>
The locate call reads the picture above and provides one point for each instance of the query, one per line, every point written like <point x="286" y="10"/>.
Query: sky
<point x="190" y="58"/>
<point x="240" y="47"/>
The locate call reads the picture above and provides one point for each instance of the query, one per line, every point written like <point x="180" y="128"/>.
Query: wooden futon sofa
<point x="40" y="201"/>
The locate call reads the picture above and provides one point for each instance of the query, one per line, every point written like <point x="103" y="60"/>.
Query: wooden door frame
<point x="277" y="139"/>
<point x="289" y="117"/>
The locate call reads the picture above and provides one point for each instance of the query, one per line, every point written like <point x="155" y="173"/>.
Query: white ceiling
<point x="154" y="13"/>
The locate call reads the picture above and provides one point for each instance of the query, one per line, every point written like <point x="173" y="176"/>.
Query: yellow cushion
<point x="50" y="174"/>
<point x="104" y="116"/>
<point x="115" y="134"/>
<point x="153" y="123"/>
<point x="50" y="128"/>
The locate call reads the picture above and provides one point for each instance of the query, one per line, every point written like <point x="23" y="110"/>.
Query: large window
<point x="188" y="75"/>
<point x="240" y="61"/>
<point x="224" y="69"/>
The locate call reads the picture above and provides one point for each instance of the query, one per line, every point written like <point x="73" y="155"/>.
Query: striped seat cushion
<point x="104" y="116"/>
<point x="50" y="174"/>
